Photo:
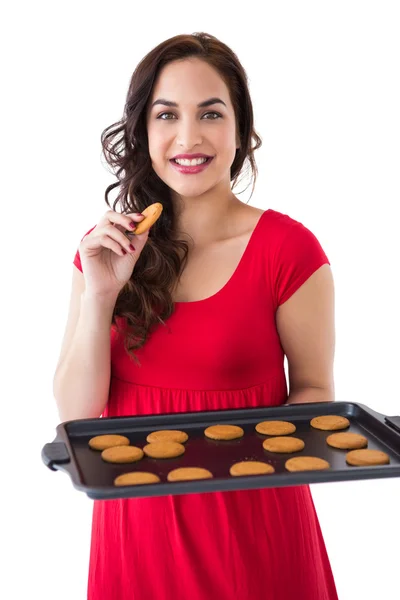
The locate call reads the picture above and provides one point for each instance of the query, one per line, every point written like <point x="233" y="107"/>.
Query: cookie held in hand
<point x="151" y="214"/>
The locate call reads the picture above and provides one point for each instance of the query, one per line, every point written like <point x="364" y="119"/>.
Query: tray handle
<point x="55" y="453"/>
<point x="393" y="422"/>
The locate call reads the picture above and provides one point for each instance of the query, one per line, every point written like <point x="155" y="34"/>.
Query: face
<point x="189" y="129"/>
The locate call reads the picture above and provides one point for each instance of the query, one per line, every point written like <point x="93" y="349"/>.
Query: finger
<point x="126" y="222"/>
<point x="116" y="234"/>
<point x="93" y="242"/>
<point x="102" y="236"/>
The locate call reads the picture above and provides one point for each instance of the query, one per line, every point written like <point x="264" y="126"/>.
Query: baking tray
<point x="89" y="473"/>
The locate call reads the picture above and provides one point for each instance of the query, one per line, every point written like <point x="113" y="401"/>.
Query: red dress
<point x="223" y="352"/>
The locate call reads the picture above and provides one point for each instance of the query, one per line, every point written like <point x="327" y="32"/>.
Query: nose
<point x="189" y="134"/>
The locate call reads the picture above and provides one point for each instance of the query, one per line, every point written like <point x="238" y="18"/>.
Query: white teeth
<point x="190" y="163"/>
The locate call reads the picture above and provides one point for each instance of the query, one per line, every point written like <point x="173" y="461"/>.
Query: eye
<point x="218" y="116"/>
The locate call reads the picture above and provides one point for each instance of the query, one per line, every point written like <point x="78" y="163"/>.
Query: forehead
<point x="189" y="82"/>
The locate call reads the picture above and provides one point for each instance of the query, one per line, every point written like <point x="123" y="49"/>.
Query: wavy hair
<point x="146" y="300"/>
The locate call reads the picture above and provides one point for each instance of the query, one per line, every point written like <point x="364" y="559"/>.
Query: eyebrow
<point x="208" y="102"/>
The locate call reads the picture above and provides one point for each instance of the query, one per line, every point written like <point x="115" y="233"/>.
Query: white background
<point x="324" y="78"/>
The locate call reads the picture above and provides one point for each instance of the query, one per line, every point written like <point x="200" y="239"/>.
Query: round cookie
<point x="101" y="442"/>
<point x="136" y="478"/>
<point x="275" y="427"/>
<point x="306" y="463"/>
<point x="224" y="432"/>
<point x="283" y="444"/>
<point x="251" y="467"/>
<point x="163" y="450"/>
<point x="330" y="422"/>
<point x="347" y="441"/>
<point x="363" y="458"/>
<point x="151" y="213"/>
<point x="188" y="474"/>
<point x="122" y="454"/>
<point x="168" y="435"/>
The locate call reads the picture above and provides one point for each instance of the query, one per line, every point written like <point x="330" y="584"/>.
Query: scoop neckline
<point x="235" y="272"/>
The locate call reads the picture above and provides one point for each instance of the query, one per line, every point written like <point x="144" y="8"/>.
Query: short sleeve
<point x="298" y="256"/>
<point x="77" y="259"/>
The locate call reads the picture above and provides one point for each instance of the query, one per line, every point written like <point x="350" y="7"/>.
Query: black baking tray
<point x="69" y="452"/>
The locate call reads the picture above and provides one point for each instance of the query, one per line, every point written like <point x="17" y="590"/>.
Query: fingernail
<point x="131" y="247"/>
<point x="132" y="225"/>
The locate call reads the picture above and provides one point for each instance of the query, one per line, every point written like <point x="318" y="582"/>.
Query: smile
<point x="188" y="169"/>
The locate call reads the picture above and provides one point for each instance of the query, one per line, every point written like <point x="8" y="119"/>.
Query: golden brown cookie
<point x="189" y="473"/>
<point x="275" y="427"/>
<point x="363" y="458"/>
<point x="330" y="422"/>
<point x="251" y="467"/>
<point x="164" y="449"/>
<point x="306" y="463"/>
<point x="168" y="435"/>
<point x="151" y="213"/>
<point x="122" y="454"/>
<point x="136" y="478"/>
<point x="283" y="444"/>
<point x="101" y="442"/>
<point x="347" y="441"/>
<point x="224" y="432"/>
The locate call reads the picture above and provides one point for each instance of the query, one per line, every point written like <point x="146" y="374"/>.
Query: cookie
<point x="151" y="213"/>
<point x="251" y="467"/>
<point x="224" y="432"/>
<point x="283" y="444"/>
<point x="275" y="427"/>
<point x="164" y="450"/>
<point x="329" y="422"/>
<point x="168" y="435"/>
<point x="122" y="454"/>
<point x="363" y="458"/>
<point x="136" y="478"/>
<point x="189" y="473"/>
<point x="101" y="442"/>
<point x="347" y="441"/>
<point x="306" y="463"/>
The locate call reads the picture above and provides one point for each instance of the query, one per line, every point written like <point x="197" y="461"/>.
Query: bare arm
<point x="82" y="378"/>
<point x="306" y="327"/>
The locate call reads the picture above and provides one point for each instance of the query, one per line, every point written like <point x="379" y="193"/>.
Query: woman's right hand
<point x="106" y="256"/>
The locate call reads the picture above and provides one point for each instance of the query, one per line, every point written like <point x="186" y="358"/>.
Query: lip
<point x="187" y="170"/>
<point x="190" y="156"/>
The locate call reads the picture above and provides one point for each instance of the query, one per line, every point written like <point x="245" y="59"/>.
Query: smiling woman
<point x="189" y="75"/>
<point x="208" y="327"/>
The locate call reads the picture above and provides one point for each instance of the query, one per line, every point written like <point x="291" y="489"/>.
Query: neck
<point x="207" y="220"/>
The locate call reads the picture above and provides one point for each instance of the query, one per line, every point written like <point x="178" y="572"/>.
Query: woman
<point x="197" y="314"/>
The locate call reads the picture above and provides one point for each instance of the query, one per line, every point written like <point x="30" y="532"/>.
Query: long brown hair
<point x="146" y="300"/>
